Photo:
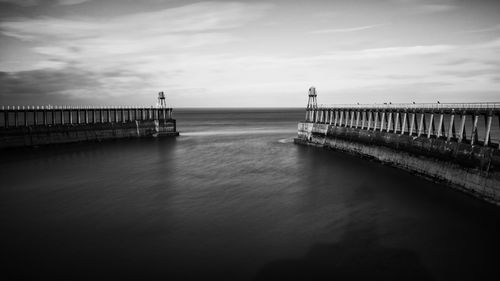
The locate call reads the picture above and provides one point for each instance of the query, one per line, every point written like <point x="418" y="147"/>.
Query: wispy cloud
<point x="158" y="45"/>
<point x="481" y="30"/>
<point x="27" y="3"/>
<point x="71" y="2"/>
<point x="346" y="30"/>
<point x="24" y="3"/>
<point x="378" y="53"/>
<point x="436" y="8"/>
<point x="199" y="17"/>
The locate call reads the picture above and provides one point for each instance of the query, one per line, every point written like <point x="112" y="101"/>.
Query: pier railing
<point x="50" y="115"/>
<point x="420" y="106"/>
<point x="458" y="122"/>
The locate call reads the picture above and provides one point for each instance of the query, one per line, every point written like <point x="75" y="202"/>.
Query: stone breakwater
<point x="33" y="126"/>
<point x="68" y="133"/>
<point x="474" y="169"/>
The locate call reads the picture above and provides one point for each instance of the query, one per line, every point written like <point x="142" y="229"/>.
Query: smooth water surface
<point x="233" y="198"/>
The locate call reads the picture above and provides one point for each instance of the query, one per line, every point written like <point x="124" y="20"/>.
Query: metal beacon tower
<point x="312" y="104"/>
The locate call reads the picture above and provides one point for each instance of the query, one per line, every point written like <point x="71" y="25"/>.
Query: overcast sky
<point x="248" y="53"/>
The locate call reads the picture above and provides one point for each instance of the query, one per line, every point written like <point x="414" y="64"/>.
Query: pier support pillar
<point x="397" y="123"/>
<point x="389" y="122"/>
<point x="474" y="130"/>
<point x="405" y="116"/>
<point x="382" y="121"/>
<point x="430" y="131"/>
<point x="488" y="120"/>
<point x="369" y="120"/>
<point x="451" y="129"/>
<point x="375" y="120"/>
<point x="440" y="129"/>
<point x="462" y="134"/>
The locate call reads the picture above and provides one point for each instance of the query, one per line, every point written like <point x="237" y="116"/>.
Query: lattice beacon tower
<point x="312" y="104"/>
<point x="161" y="100"/>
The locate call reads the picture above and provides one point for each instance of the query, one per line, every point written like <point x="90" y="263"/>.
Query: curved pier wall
<point x="52" y="134"/>
<point x="470" y="168"/>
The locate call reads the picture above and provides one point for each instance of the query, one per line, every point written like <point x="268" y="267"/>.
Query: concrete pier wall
<point x="66" y="133"/>
<point x="40" y="125"/>
<point x="474" y="169"/>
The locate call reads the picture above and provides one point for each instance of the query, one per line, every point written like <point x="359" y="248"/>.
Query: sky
<point x="248" y="53"/>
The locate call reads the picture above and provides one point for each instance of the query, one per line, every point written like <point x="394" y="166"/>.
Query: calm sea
<point x="233" y="198"/>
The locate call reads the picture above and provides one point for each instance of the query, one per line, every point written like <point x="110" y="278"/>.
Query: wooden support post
<point x="488" y="119"/>
<point x="375" y="120"/>
<point x="405" y="116"/>
<point x="369" y="120"/>
<point x="358" y="113"/>
<point x="430" y="130"/>
<point x="35" y="117"/>
<point x="389" y="122"/>
<point x="382" y="121"/>
<point x="462" y="135"/>
<point x="451" y="129"/>
<point x="44" y="116"/>
<point x="25" y="117"/>
<point x="53" y="117"/>
<point x="440" y="129"/>
<point x="422" y="124"/>
<point x="62" y="117"/>
<point x="363" y="119"/>
<point x="335" y="122"/>
<point x="340" y="119"/>
<point x="397" y="123"/>
<point x="412" y="122"/>
<point x="474" y="130"/>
